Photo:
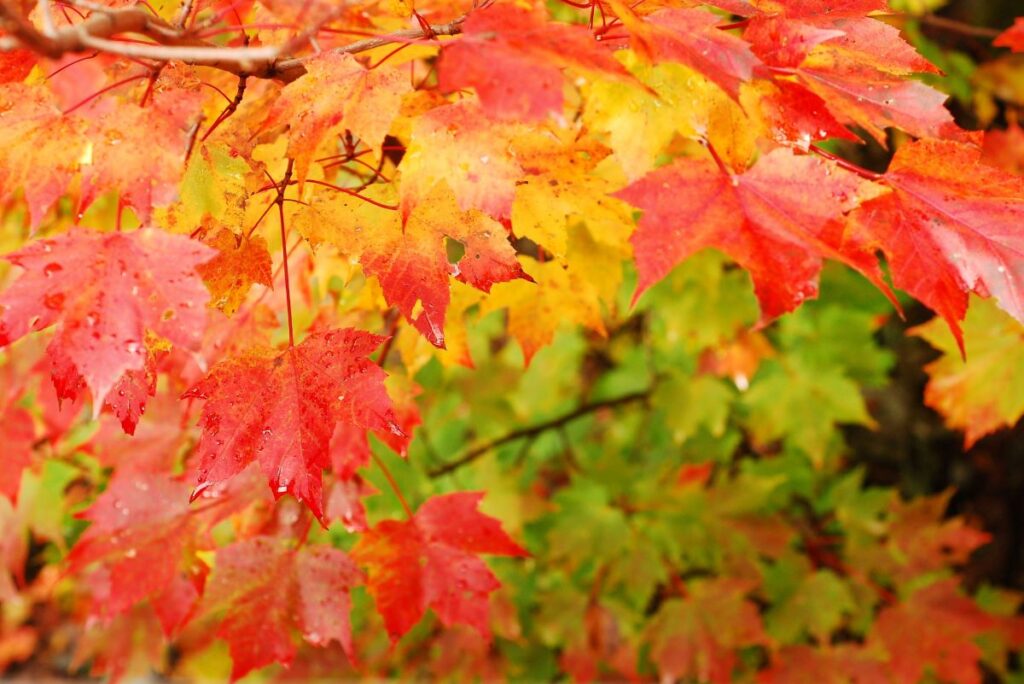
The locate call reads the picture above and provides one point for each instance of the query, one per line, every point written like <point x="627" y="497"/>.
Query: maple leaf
<point x="950" y="226"/>
<point x="778" y="220"/>
<point x="39" y="148"/>
<point x="19" y="433"/>
<point x="982" y="393"/>
<point x="921" y="539"/>
<point x="697" y="636"/>
<point x="504" y="46"/>
<point x="141" y="530"/>
<point x="410" y="260"/>
<point x="672" y="100"/>
<point x="350" y="448"/>
<point x="691" y="37"/>
<point x="280" y="409"/>
<point x="1012" y="37"/>
<point x="459" y="145"/>
<point x="105" y="291"/>
<point x="113" y="163"/>
<point x="430" y="561"/>
<point x="213" y="193"/>
<point x="792" y="113"/>
<point x="548" y="204"/>
<point x="241" y="262"/>
<point x="944" y="624"/>
<point x="857" y="67"/>
<point x="337" y="93"/>
<point x="264" y="588"/>
<point x="536" y="310"/>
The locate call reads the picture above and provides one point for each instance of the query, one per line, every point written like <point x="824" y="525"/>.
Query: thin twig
<point x="174" y="43"/>
<point x="527" y="432"/>
<point x="393" y="483"/>
<point x="960" y="27"/>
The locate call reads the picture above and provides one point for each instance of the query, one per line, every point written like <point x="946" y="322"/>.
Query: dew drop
<point x="131" y="553"/>
<point x="51" y="268"/>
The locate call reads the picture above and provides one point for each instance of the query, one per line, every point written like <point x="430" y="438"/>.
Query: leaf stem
<point x="108" y="88"/>
<point x="393" y="483"/>
<point x="392" y="331"/>
<point x="848" y="165"/>
<point x="718" y="160"/>
<point x="284" y="251"/>
<point x="390" y="207"/>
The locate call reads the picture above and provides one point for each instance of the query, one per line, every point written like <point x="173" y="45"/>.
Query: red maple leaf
<point x="1012" y="37"/>
<point x="778" y="220"/>
<point x="280" y="409"/>
<point x="105" y="290"/>
<point x="504" y="46"/>
<point x="944" y="624"/>
<point x="39" y="148"/>
<point x="691" y="37"/>
<point x="142" y="532"/>
<point x="264" y="588"/>
<point x="18" y="433"/>
<point x="857" y="66"/>
<point x="142" y="181"/>
<point x="699" y="635"/>
<point x="430" y="561"/>
<point x="950" y="226"/>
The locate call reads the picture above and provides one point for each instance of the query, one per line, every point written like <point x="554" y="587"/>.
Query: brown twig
<point x="533" y="430"/>
<point x="172" y="43"/>
<point x="960" y="27"/>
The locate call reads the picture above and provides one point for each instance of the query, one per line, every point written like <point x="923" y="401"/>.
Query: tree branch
<point x="172" y="43"/>
<point x="534" y="430"/>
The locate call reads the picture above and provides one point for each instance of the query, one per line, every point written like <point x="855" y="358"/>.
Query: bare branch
<point x="534" y="430"/>
<point x="172" y="43"/>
